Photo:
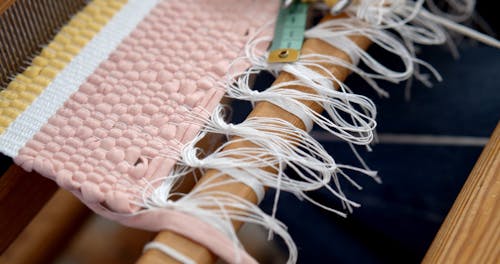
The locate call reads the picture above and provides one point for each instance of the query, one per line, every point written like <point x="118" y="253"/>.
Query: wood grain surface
<point x="471" y="231"/>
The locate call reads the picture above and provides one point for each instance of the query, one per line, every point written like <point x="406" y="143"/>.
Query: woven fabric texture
<point x="127" y="122"/>
<point x="27" y="86"/>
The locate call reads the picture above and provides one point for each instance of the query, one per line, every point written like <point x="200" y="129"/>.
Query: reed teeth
<point x="26" y="26"/>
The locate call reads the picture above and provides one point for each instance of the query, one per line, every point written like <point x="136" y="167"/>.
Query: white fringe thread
<point x="394" y="25"/>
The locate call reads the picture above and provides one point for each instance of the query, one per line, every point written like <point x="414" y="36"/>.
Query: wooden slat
<point x="471" y="231"/>
<point x="263" y="109"/>
<point x="22" y="195"/>
<point x="49" y="232"/>
<point x="4" y="4"/>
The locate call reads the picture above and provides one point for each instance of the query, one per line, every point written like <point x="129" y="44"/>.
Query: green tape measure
<point x="289" y="33"/>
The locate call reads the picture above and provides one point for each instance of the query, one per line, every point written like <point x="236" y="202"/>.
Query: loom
<point x="162" y="154"/>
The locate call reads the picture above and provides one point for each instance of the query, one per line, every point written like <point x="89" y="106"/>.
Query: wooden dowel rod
<point x="48" y="233"/>
<point x="262" y="109"/>
<point x="471" y="231"/>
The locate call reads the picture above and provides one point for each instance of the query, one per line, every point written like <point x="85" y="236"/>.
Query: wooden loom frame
<point x="475" y="215"/>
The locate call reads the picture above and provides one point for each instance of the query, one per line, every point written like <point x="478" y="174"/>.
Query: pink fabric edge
<point x="183" y="224"/>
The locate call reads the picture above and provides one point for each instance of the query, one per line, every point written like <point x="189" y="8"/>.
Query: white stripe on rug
<point x="70" y="78"/>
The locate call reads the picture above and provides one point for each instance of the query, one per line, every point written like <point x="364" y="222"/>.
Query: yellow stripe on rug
<point x="68" y="42"/>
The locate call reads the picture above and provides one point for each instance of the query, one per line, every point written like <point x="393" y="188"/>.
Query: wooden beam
<point x="263" y="109"/>
<point x="22" y="195"/>
<point x="471" y="231"/>
<point x="4" y="5"/>
<point x="49" y="232"/>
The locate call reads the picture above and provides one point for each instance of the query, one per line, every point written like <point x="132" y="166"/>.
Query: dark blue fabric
<point x="466" y="102"/>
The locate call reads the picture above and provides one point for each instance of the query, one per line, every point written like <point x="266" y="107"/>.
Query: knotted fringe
<point x="274" y="144"/>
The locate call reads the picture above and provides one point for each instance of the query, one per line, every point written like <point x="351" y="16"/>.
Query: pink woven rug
<point x="125" y="125"/>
